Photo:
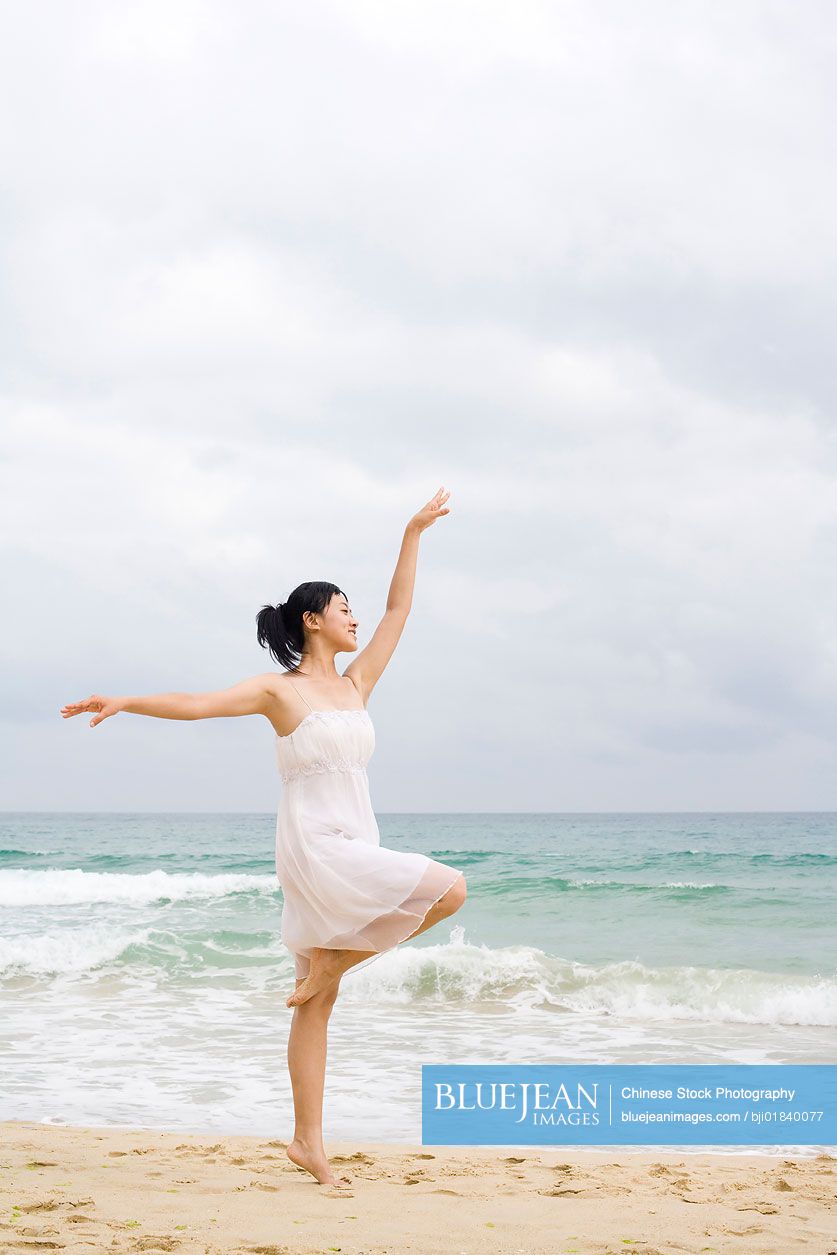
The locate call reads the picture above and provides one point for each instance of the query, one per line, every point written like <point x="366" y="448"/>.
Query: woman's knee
<point x="456" y="895"/>
<point x="319" y="1004"/>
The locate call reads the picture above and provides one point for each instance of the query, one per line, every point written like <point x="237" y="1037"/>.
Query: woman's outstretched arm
<point x="249" y="697"/>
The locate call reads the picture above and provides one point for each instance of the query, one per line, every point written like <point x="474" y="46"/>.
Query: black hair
<point x="280" y="629"/>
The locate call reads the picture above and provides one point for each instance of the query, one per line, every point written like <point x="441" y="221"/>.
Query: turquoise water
<point x="143" y="977"/>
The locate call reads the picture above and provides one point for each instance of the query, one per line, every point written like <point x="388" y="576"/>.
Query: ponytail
<point x="273" y="635"/>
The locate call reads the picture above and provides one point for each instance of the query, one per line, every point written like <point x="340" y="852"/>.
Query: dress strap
<point x="305" y="699"/>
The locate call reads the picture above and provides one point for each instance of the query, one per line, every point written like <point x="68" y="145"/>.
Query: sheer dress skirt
<point x="342" y="889"/>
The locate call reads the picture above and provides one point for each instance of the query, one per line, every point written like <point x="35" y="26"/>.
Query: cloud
<point x="273" y="277"/>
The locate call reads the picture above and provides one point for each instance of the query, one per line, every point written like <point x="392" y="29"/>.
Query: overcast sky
<point x="275" y="272"/>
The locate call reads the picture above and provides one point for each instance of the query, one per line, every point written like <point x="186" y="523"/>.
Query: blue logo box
<point x="606" y="1104"/>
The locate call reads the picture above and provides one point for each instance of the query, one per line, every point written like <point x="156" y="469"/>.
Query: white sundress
<point x="342" y="889"/>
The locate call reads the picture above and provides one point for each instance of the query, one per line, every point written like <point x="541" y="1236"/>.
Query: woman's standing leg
<point x="307" y="1047"/>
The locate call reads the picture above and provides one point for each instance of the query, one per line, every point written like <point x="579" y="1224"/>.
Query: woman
<point x="347" y="899"/>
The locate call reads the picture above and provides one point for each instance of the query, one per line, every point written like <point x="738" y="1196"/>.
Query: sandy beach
<point x="105" y="1189"/>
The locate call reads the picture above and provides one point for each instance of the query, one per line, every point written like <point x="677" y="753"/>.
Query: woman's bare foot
<point x="327" y="966"/>
<point x="315" y="1162"/>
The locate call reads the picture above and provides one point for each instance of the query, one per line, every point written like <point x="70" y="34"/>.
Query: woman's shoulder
<point x="275" y="682"/>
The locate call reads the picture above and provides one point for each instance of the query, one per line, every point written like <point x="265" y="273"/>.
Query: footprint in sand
<point x="40" y="1241"/>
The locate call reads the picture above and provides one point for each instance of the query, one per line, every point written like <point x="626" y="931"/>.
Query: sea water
<point x="143" y="978"/>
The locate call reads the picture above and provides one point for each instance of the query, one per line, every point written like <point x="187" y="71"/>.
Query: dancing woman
<point x="347" y="898"/>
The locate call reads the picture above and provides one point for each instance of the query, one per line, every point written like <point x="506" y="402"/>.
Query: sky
<point x="273" y="273"/>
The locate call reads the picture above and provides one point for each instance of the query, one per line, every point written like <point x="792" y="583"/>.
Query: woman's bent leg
<point x="328" y="966"/>
<point x="448" y="904"/>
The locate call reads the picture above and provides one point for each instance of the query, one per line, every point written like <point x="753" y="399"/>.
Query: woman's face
<point x="339" y="624"/>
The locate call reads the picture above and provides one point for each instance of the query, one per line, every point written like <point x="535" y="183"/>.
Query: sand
<point x="99" y="1189"/>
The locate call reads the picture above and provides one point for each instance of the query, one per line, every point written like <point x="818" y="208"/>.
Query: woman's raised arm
<point x="366" y="668"/>
<point x="249" y="697"/>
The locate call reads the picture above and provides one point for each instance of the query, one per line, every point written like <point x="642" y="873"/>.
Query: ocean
<point x="143" y="978"/>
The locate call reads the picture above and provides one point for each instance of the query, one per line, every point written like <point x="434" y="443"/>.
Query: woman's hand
<point x="103" y="706"/>
<point x="431" y="512"/>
